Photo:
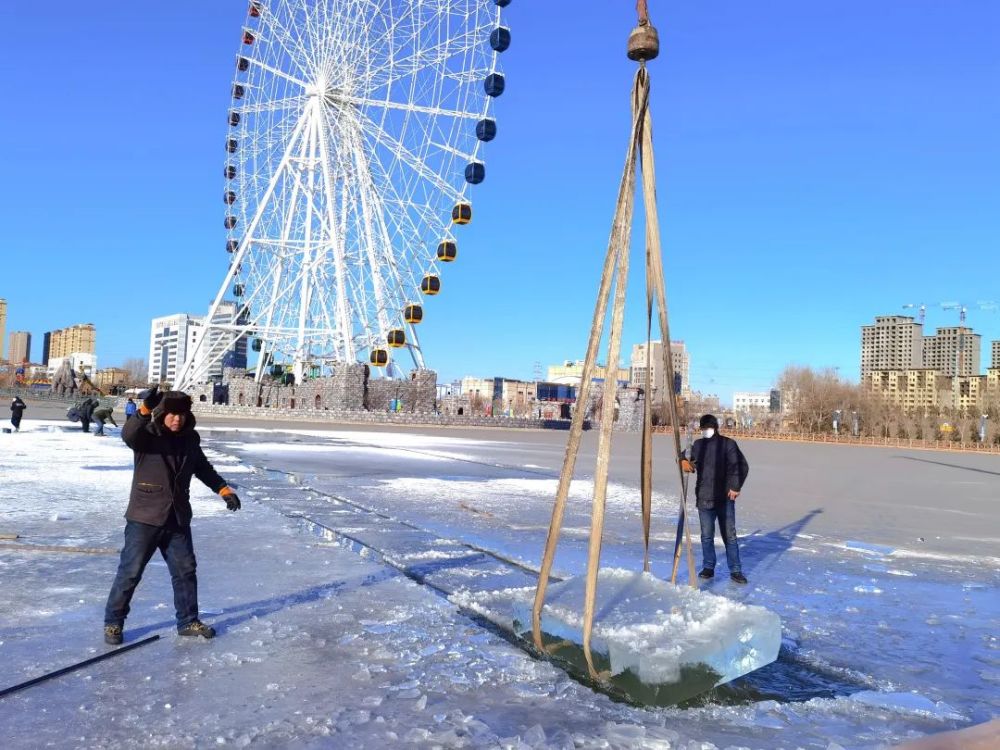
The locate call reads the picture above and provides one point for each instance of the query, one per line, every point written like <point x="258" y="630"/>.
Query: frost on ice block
<point x="661" y="643"/>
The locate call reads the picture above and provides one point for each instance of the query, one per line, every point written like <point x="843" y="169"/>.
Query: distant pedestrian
<point x="86" y="412"/>
<point x="103" y="415"/>
<point x="17" y="407"/>
<point x="722" y="469"/>
<point x="130" y="408"/>
<point x="167" y="456"/>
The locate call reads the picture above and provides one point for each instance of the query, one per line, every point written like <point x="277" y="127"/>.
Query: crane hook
<point x="643" y="42"/>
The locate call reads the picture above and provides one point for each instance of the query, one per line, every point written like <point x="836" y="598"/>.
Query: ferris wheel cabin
<point x="396" y="338"/>
<point x="461" y="213"/>
<point x="430" y="285"/>
<point x="379" y="357"/>
<point x="413" y="314"/>
<point x="475" y="172"/>
<point x="447" y="251"/>
<point x="486" y="130"/>
<point x="494" y="84"/>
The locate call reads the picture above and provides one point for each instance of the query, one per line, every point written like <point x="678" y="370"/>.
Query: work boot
<point x="738" y="577"/>
<point x="707" y="573"/>
<point x="113" y="635"/>
<point x="197" y="627"/>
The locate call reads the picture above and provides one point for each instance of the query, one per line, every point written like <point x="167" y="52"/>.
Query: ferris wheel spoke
<point x="278" y="73"/>
<point x="295" y="103"/>
<point x="408" y="107"/>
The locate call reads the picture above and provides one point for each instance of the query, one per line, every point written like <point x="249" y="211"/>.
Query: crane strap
<point x="614" y="276"/>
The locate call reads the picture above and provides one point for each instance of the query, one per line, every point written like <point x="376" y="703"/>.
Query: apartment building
<point x="894" y="342"/>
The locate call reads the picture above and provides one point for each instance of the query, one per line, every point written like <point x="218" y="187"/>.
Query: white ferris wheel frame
<point x="337" y="238"/>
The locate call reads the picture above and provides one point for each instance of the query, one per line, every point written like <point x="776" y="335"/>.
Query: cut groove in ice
<point x="662" y="643"/>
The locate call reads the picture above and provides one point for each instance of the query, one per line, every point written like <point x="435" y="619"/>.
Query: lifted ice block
<point x="661" y="643"/>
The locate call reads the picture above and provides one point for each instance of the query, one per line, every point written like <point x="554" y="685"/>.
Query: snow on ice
<point x="319" y="647"/>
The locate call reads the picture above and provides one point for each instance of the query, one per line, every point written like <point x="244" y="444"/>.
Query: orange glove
<point x="686" y="466"/>
<point x="232" y="499"/>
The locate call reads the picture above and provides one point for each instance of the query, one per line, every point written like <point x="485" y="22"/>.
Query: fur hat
<point x="175" y="402"/>
<point x="708" y="421"/>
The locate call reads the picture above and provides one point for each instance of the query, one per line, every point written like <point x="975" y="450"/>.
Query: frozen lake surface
<point x="881" y="564"/>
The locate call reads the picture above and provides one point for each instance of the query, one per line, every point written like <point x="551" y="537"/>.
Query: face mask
<point x="708" y="434"/>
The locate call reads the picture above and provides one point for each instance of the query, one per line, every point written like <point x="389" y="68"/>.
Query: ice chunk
<point x="661" y="643"/>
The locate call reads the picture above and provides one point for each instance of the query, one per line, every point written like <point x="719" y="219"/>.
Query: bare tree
<point x="137" y="369"/>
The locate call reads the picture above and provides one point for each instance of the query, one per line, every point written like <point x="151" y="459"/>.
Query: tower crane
<point x="963" y="311"/>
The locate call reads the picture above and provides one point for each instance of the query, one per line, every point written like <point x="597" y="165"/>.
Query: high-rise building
<point x="953" y="351"/>
<point x="77" y="338"/>
<point x="173" y="338"/>
<point x="682" y="367"/>
<point x="46" y="347"/>
<point x="170" y="339"/>
<point x="3" y="322"/>
<point x="894" y="342"/>
<point x="227" y="313"/>
<point x="19" y="348"/>
<point x="995" y="359"/>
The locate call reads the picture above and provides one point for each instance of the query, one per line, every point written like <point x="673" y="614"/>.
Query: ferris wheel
<point x="355" y="133"/>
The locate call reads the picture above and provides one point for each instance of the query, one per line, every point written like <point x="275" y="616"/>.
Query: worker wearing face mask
<point x="722" y="469"/>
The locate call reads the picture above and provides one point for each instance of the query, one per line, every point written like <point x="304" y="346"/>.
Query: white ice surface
<point x="319" y="648"/>
<point x="644" y="625"/>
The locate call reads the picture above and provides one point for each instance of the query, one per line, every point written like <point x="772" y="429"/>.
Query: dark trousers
<point x="15" y="419"/>
<point x="724" y="513"/>
<point x="141" y="541"/>
<point x="85" y="424"/>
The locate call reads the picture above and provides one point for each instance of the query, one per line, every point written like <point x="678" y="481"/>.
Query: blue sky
<point x="819" y="164"/>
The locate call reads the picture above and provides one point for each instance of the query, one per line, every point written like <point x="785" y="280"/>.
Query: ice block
<point x="661" y="643"/>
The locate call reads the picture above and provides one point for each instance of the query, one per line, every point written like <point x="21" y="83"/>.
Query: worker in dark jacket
<point x="167" y="455"/>
<point x="103" y="415"/>
<point x="86" y="412"/>
<point x="17" y="407"/>
<point x="721" y="471"/>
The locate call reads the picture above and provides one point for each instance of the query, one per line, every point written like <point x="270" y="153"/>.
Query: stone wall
<point x="350" y="396"/>
<point x="347" y="389"/>
<point x="375" y="417"/>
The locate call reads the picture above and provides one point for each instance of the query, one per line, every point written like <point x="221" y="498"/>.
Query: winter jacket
<point x="130" y="408"/>
<point x="17" y="407"/>
<point x="717" y="461"/>
<point x="104" y="415"/>
<point x="86" y="409"/>
<point x="165" y="462"/>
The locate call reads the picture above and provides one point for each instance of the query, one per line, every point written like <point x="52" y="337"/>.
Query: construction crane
<point x="963" y="311"/>
<point x="921" y="308"/>
<point x="963" y="308"/>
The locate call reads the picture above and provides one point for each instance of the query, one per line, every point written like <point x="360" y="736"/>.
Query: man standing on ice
<point x="17" y="407"/>
<point x="722" y="470"/>
<point x="167" y="455"/>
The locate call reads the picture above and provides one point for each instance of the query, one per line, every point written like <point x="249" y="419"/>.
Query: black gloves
<point x="151" y="398"/>
<point x="232" y="501"/>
